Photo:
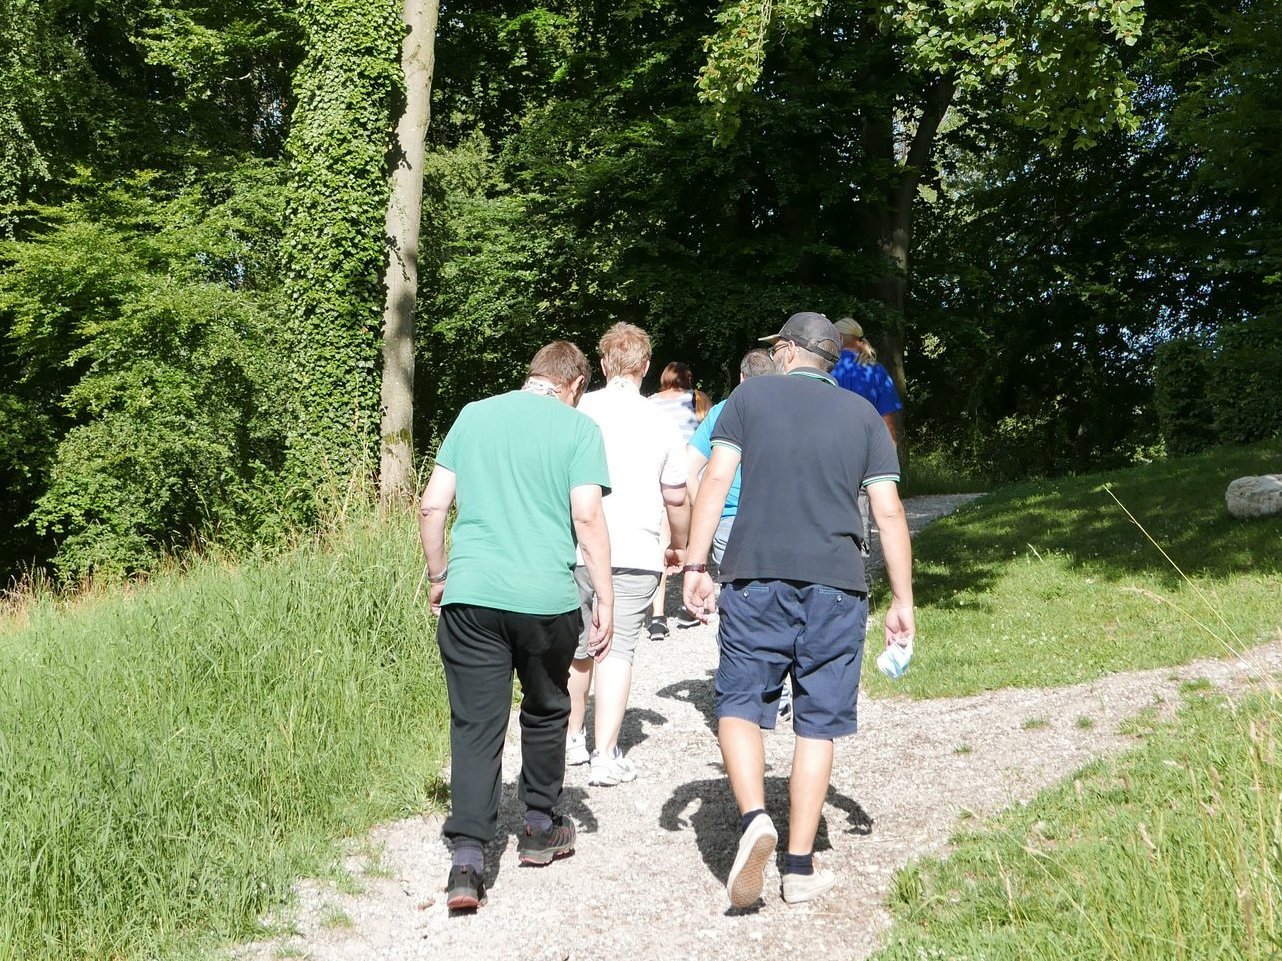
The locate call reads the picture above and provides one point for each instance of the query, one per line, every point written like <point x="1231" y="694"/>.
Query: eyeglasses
<point x="777" y="345"/>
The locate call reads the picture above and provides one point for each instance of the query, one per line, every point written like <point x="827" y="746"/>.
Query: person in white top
<point x="646" y="456"/>
<point x="678" y="399"/>
<point x="687" y="407"/>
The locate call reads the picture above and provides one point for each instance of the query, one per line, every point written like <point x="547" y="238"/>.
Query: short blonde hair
<point x="560" y="362"/>
<point x="624" y="349"/>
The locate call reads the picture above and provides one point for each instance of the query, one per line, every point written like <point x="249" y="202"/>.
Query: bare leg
<point x="580" y="683"/>
<point x="744" y="754"/>
<point x="665" y="535"/>
<point x="811" y="769"/>
<point x="613" y="684"/>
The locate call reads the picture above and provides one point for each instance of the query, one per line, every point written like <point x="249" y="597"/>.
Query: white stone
<point x="1249" y="497"/>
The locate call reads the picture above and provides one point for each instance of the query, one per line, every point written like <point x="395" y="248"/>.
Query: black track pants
<point x="480" y="648"/>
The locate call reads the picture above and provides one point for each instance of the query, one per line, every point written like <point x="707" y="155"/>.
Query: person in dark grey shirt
<point x="794" y="603"/>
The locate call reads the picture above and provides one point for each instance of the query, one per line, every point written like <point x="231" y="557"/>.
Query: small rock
<point x="1251" y="497"/>
<point x="425" y="904"/>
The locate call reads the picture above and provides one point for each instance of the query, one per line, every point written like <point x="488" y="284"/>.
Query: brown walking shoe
<point x="464" y="890"/>
<point x="543" y="847"/>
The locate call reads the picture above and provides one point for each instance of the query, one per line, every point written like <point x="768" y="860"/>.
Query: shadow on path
<point x="716" y="825"/>
<point x="697" y="692"/>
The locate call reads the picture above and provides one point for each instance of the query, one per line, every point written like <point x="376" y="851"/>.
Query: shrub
<point x="1182" y="372"/>
<point x="139" y="332"/>
<point x="179" y="429"/>
<point x="1245" y="390"/>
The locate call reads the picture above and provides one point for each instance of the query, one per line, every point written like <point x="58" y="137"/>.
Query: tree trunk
<point x="397" y="480"/>
<point x="895" y="231"/>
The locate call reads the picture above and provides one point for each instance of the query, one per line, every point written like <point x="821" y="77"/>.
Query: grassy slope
<point x="1051" y="583"/>
<point x="1173" y="851"/>
<point x="172" y="760"/>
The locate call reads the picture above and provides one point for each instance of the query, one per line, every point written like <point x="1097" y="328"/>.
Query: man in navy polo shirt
<point x="793" y="603"/>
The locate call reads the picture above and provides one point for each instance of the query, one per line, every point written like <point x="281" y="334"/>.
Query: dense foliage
<point x="140" y="387"/>
<point x="1049" y="278"/>
<point x="1021" y="202"/>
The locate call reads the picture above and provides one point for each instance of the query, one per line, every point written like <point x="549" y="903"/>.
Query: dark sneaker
<point x="658" y="628"/>
<point x="464" y="890"/>
<point x="686" y="619"/>
<point x="543" y="847"/>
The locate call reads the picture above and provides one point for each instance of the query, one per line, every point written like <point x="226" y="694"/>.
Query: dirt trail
<point x="647" y="880"/>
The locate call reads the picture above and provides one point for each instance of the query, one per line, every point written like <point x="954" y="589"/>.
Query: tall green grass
<point x="1171" y="853"/>
<point x="170" y="760"/>
<point x="1051" y="583"/>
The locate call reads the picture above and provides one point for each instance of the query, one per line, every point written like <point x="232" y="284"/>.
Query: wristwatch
<point x="694" y="569"/>
<point x="439" y="578"/>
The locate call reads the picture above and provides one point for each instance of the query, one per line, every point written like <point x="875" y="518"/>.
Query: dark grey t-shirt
<point x="807" y="447"/>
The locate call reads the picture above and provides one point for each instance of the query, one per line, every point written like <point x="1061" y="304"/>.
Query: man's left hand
<point x="434" y="595"/>
<point x="901" y="626"/>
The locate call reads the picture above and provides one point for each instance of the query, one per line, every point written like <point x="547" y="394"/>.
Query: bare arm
<point x="433" y="509"/>
<point x="698" y="589"/>
<point x="678" y="508"/>
<point x="594" y="541"/>
<point x="695" y="463"/>
<point x="896" y="547"/>
<point x="890" y="425"/>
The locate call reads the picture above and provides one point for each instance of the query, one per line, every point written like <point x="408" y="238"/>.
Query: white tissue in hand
<point x="893" y="661"/>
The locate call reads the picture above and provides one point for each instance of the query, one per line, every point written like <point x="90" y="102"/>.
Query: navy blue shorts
<point x="771" y="630"/>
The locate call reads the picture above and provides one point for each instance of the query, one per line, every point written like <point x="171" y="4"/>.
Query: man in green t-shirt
<point x="528" y="472"/>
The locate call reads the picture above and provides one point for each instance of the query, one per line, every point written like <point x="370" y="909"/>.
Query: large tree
<point x="404" y="213"/>
<point x="140" y="210"/>
<point x="1054" y="66"/>
<point x="333" y="249"/>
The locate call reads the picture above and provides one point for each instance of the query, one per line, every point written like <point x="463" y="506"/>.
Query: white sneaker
<point x="748" y="874"/>
<point x="612" y="770"/>
<point x="576" y="748"/>
<point x="798" y="888"/>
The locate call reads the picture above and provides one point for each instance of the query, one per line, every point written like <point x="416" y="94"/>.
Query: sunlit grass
<point x="174" y="757"/>
<point x="1049" y="584"/>
<point x="1171" y="852"/>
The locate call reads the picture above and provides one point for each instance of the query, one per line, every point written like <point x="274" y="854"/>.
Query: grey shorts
<point x="721" y="537"/>
<point x="633" y="593"/>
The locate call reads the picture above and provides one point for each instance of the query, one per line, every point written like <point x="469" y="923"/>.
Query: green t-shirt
<point x="515" y="458"/>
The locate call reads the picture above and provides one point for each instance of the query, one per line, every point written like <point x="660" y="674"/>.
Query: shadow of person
<point x="632" y="731"/>
<point x="697" y="692"/>
<point x="708" y="808"/>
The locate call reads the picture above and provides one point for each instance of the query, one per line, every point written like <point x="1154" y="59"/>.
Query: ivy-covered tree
<point x="333" y="248"/>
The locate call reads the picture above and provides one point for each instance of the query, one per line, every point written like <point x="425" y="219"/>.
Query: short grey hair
<point x="814" y="360"/>
<point x="756" y="362"/>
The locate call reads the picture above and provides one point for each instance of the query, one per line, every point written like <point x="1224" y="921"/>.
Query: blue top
<point x="701" y="441"/>
<point x="870" y="381"/>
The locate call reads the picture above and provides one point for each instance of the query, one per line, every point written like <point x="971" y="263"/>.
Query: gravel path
<point x="647" y="880"/>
